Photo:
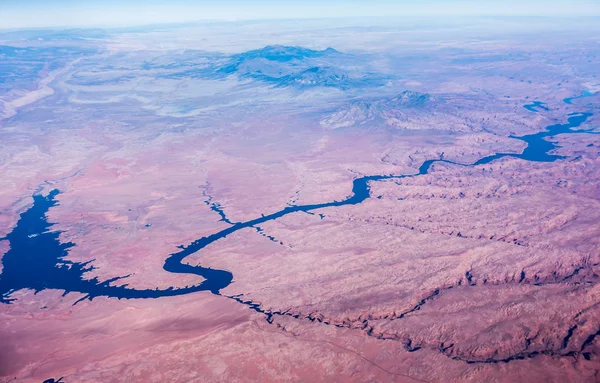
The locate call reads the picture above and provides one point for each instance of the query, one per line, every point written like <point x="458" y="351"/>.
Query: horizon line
<point x="199" y="22"/>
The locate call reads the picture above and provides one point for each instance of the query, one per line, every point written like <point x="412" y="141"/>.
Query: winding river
<point x="36" y="258"/>
<point x="535" y="105"/>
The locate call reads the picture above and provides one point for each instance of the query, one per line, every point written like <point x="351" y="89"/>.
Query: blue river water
<point x="36" y="261"/>
<point x="535" y="105"/>
<point x="585" y="93"/>
<point x="36" y="258"/>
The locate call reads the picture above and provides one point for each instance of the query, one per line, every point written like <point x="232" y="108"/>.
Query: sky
<point x="16" y="14"/>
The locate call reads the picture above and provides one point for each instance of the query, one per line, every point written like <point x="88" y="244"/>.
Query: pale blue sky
<point x="43" y="13"/>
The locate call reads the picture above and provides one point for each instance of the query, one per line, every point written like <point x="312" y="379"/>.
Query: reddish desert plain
<point x="315" y="203"/>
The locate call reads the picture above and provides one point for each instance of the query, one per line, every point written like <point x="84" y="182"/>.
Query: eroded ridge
<point x="584" y="276"/>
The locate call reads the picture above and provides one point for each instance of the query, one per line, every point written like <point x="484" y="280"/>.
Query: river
<point x="36" y="258"/>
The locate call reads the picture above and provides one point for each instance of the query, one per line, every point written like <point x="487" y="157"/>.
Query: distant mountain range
<point x="320" y="76"/>
<point x="286" y="66"/>
<point x="272" y="61"/>
<point x="282" y="67"/>
<point x="283" y="53"/>
<point x="289" y="66"/>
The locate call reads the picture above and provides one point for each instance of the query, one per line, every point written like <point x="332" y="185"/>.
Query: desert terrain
<point x="351" y="204"/>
